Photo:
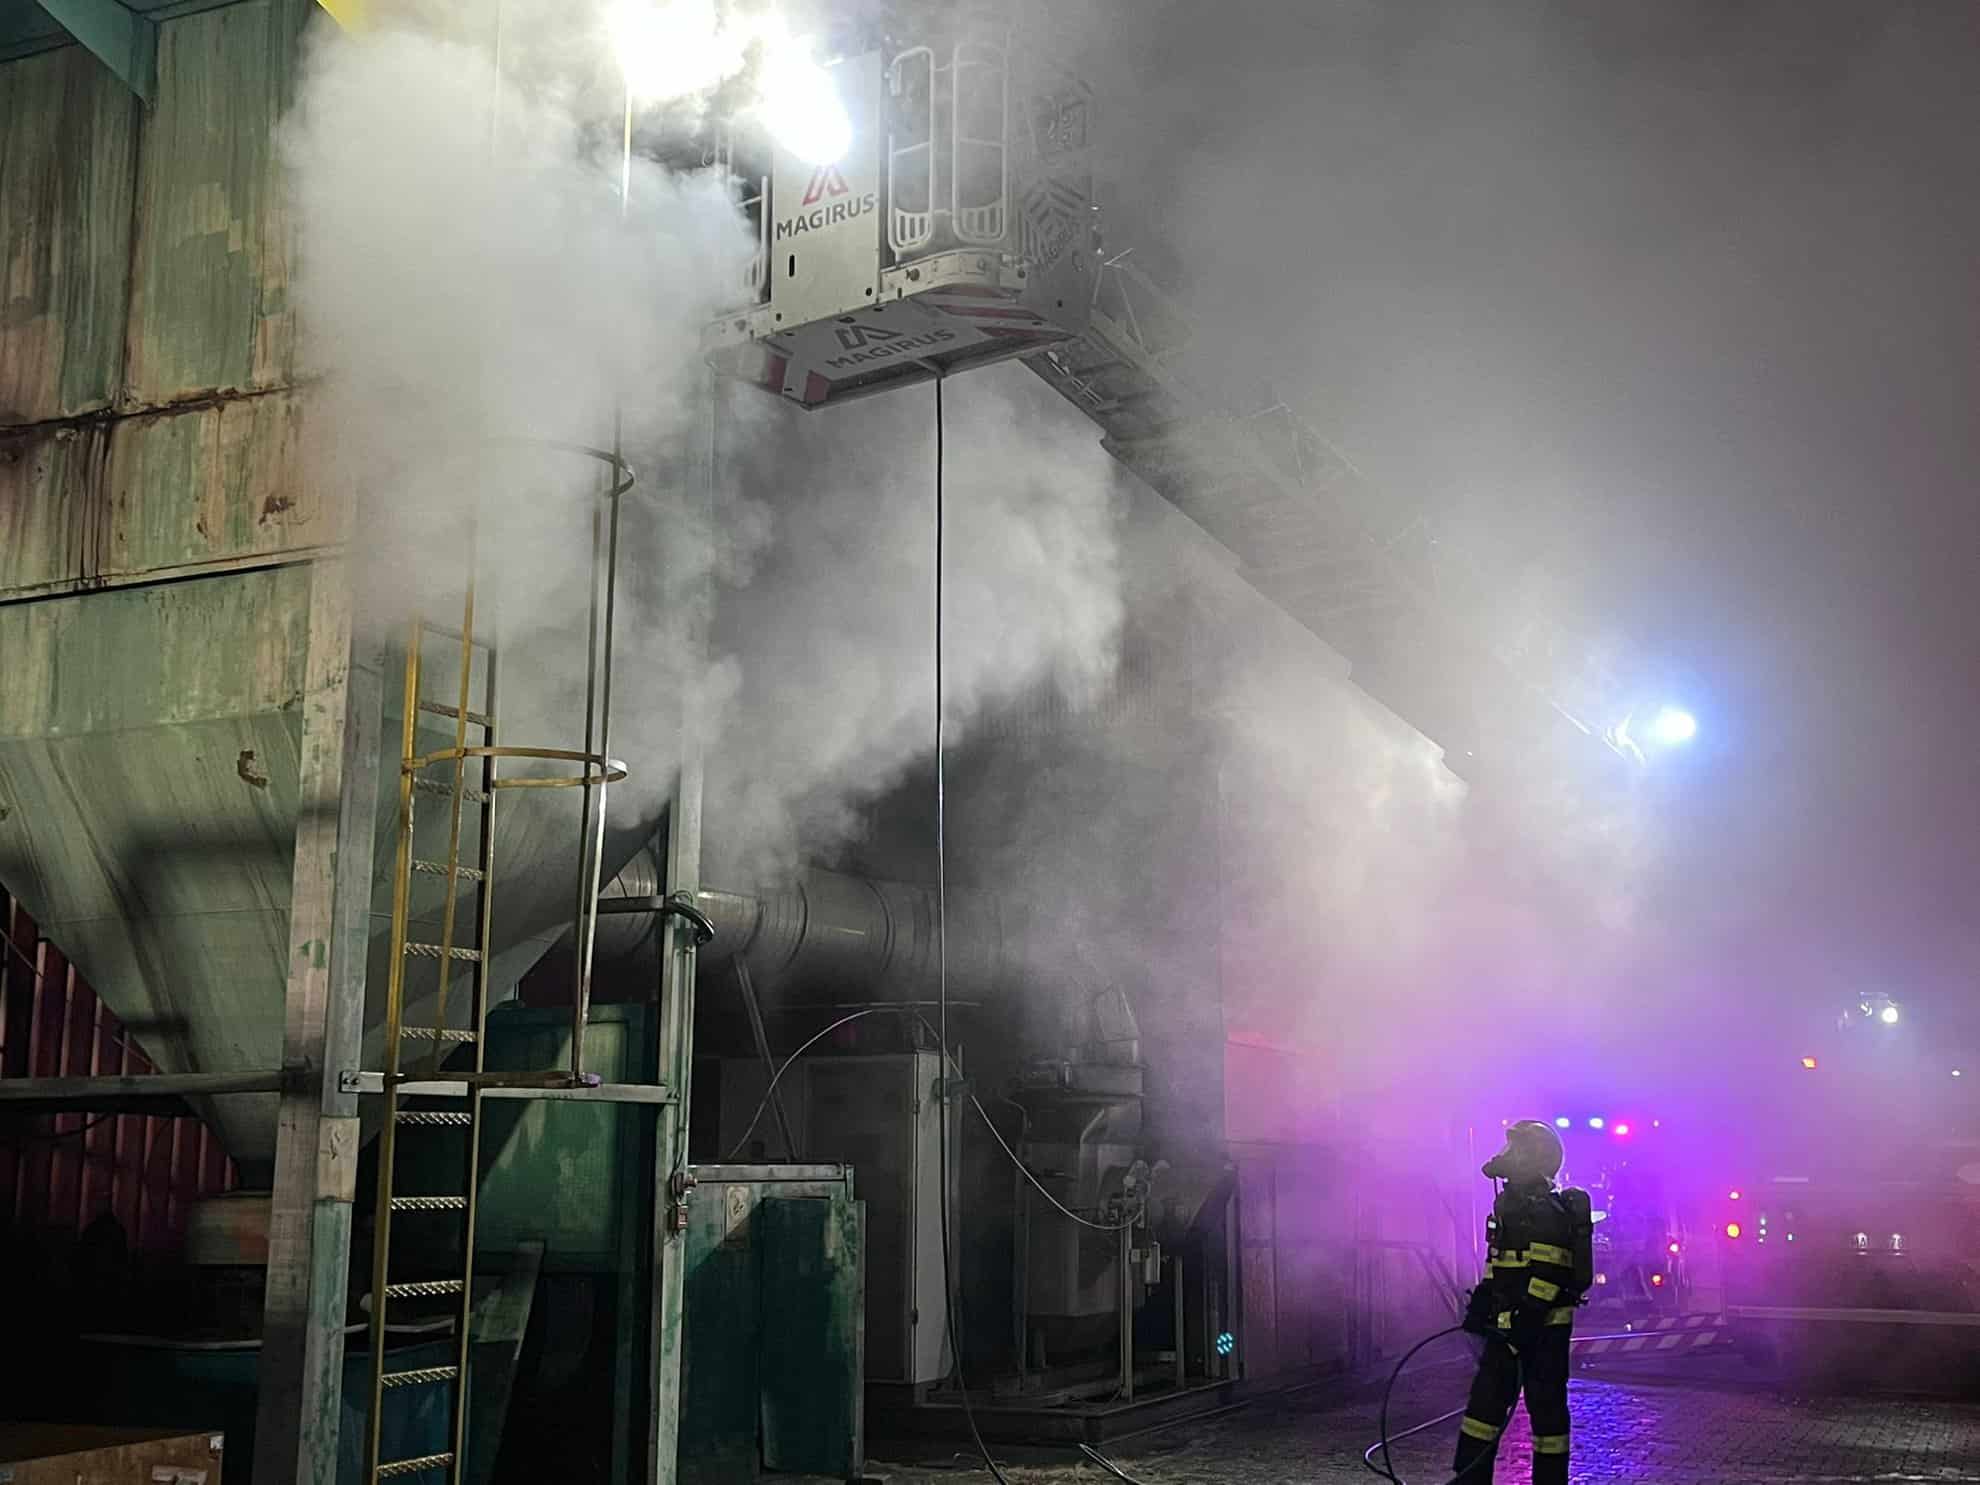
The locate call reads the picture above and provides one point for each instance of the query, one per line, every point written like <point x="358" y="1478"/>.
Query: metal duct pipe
<point x="826" y="933"/>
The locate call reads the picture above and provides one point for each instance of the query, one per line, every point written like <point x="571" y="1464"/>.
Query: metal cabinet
<point x="773" y="1324"/>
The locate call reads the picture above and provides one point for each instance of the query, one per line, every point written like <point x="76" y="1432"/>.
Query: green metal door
<point x="814" y="1301"/>
<point x="774" y="1297"/>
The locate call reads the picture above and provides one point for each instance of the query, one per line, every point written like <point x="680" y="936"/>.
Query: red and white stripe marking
<point x="1680" y="1333"/>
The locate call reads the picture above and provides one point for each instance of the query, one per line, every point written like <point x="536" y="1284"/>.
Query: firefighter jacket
<point x="1540" y="1258"/>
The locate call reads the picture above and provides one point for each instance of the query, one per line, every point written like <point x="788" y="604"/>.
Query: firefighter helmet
<point x="1533" y="1152"/>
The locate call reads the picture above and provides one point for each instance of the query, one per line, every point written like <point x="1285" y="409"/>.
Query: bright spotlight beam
<point x="800" y="107"/>
<point x="672" y="49"/>
<point x="1674" y="727"/>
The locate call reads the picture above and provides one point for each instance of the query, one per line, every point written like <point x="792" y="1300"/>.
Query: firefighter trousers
<point x="1542" y="1368"/>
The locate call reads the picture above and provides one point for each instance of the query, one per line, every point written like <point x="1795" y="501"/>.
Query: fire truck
<point x="1641" y="1246"/>
<point x="1862" y="1270"/>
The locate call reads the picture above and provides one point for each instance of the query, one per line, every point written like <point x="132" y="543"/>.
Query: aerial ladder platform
<point x="961" y="227"/>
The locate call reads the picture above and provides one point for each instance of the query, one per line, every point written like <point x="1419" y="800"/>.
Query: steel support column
<point x="676" y="1059"/>
<point x="675" y="1022"/>
<point x="309" y="1243"/>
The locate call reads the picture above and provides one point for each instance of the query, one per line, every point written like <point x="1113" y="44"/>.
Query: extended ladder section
<point x="1364" y="574"/>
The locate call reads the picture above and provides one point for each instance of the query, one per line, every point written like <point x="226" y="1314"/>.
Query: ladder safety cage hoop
<point x="753" y="201"/>
<point x="911" y="228"/>
<point x="979" y="95"/>
<point x="596" y="768"/>
<point x="609" y="770"/>
<point x="756" y="277"/>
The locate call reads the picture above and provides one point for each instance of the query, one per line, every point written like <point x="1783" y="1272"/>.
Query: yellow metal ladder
<point x="464" y="777"/>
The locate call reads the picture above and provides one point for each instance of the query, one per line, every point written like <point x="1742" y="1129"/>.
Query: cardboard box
<point x="74" y="1454"/>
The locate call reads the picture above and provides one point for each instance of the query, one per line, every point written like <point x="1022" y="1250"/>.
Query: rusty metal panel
<point x="218" y="481"/>
<point x="156" y="656"/>
<point x="68" y="142"/>
<point x="70" y="1454"/>
<point x="59" y="1173"/>
<point x="210" y="307"/>
<point x="148" y="771"/>
<point x="49" y="482"/>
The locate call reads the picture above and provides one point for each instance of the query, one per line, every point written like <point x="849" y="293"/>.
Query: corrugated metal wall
<point x="59" y="1172"/>
<point x="151" y="442"/>
<point x="149" y="421"/>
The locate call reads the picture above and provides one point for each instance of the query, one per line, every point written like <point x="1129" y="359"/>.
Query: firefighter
<point x="1540" y="1262"/>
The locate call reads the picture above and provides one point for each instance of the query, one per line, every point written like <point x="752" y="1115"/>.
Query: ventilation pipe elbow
<point x="826" y="934"/>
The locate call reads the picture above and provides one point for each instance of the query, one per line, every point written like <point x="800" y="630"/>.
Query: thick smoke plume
<point x="831" y="631"/>
<point x="474" y="286"/>
<point x="472" y="281"/>
<point x="472" y="277"/>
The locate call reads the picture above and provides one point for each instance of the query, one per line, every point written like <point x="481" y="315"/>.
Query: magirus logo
<point x="826" y="181"/>
<point x="866" y="343"/>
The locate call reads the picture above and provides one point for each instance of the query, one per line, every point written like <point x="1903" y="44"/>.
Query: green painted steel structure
<point x="151" y="733"/>
<point x="563" y="1173"/>
<point x="151" y="428"/>
<point x="123" y="39"/>
<point x="189" y="731"/>
<point x="772" y="1380"/>
<point x="152" y="799"/>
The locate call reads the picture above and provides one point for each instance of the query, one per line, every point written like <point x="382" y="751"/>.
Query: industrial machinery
<point x="1070" y="1179"/>
<point x="1082" y="1127"/>
<point x="953" y="229"/>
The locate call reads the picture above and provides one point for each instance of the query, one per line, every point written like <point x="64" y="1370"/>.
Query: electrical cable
<point x="941" y="1030"/>
<point x="763" y="1107"/>
<point x="1107" y="1464"/>
<point x="1022" y="1169"/>
<point x="950" y="1278"/>
<point x="1132" y="1221"/>
<point x="785" y="1066"/>
<point x="1386" y="1469"/>
<point x="51" y="1135"/>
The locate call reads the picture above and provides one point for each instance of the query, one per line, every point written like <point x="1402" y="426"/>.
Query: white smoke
<point x="833" y="636"/>
<point x="471" y="280"/>
<point x="473" y="285"/>
<point x="470" y="275"/>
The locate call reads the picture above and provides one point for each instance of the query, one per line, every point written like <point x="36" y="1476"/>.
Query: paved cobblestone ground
<point x="1647" y="1434"/>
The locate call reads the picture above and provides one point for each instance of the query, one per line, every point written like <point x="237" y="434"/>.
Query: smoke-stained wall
<point x="158" y="530"/>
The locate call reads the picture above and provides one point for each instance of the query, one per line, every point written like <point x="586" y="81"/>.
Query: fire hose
<point x="1386" y="1469"/>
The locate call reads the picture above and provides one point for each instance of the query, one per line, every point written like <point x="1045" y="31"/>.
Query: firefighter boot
<point x="1473" y="1460"/>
